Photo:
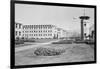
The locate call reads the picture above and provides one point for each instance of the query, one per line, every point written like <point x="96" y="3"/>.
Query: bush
<point x="79" y="41"/>
<point x="85" y="41"/>
<point x="19" y="42"/>
<point x="48" y="51"/>
<point x="89" y="42"/>
<point x="28" y="40"/>
<point x="63" y="42"/>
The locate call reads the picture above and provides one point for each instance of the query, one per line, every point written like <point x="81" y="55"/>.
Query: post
<point x="82" y="30"/>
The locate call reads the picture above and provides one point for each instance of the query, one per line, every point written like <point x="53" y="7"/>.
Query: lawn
<point x="73" y="53"/>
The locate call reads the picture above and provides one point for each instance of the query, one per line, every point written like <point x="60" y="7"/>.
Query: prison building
<point x="38" y="31"/>
<point x="18" y="31"/>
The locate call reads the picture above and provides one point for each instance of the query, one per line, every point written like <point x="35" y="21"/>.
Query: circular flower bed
<point x="48" y="51"/>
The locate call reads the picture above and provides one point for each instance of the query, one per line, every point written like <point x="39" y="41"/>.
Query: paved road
<point x="32" y="46"/>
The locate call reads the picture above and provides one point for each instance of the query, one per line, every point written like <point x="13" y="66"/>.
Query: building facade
<point x="92" y="32"/>
<point x="89" y="31"/>
<point x="61" y="33"/>
<point x="39" y="32"/>
<point x="18" y="31"/>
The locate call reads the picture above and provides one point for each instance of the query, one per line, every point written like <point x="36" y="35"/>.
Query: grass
<point x="73" y="53"/>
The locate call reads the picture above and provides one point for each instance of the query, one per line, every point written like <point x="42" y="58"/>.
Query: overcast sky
<point x="63" y="17"/>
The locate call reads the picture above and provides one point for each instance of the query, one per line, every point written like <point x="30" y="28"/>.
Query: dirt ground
<point x="74" y="53"/>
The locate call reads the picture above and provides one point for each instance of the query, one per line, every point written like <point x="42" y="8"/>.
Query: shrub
<point x="79" y="41"/>
<point x="28" y="40"/>
<point x="63" y="42"/>
<point x="89" y="42"/>
<point x="19" y="42"/>
<point x="48" y="51"/>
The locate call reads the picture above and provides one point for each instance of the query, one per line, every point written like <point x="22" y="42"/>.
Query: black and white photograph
<point x="51" y="34"/>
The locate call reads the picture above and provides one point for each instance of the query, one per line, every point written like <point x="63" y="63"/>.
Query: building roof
<point x="17" y="23"/>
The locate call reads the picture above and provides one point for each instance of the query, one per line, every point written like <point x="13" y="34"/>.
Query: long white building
<point x="40" y="32"/>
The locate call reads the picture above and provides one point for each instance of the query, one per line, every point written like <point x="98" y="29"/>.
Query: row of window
<point x="36" y="31"/>
<point x="17" y="33"/>
<point x="18" y="26"/>
<point x="37" y="27"/>
<point x="37" y="34"/>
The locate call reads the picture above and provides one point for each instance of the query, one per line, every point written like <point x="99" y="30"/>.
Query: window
<point x="19" y="26"/>
<point x="41" y="34"/>
<point x="16" y="25"/>
<point x="85" y="34"/>
<point x="85" y="24"/>
<point x="16" y="32"/>
<point x="19" y="33"/>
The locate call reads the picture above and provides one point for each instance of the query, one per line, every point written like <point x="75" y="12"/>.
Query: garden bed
<point x="63" y="42"/>
<point x="48" y="51"/>
<point x="17" y="42"/>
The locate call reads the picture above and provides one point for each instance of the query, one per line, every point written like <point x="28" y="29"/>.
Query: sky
<point x="62" y="17"/>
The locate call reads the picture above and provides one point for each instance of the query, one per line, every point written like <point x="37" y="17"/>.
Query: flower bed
<point x="48" y="51"/>
<point x="63" y="42"/>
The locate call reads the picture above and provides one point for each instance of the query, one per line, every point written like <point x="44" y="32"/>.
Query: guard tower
<point x="82" y="18"/>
